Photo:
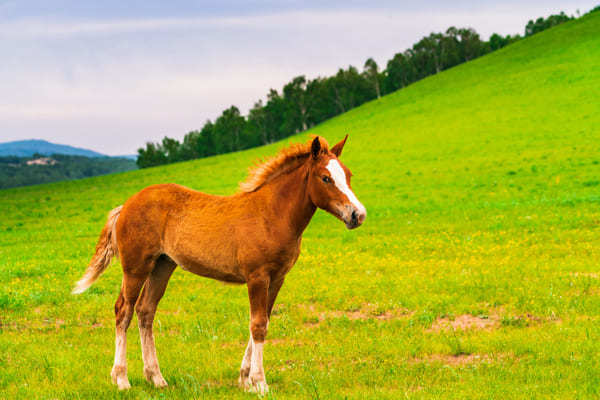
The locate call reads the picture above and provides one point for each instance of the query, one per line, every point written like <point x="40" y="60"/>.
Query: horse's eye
<point x="326" y="179"/>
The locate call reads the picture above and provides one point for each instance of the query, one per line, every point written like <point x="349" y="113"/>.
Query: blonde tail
<point x="106" y="249"/>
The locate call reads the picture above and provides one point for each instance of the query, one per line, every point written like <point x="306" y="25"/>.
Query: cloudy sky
<point x="110" y="75"/>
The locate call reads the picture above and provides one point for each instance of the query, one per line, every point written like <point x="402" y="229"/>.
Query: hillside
<point x="27" y="148"/>
<point x="475" y="274"/>
<point x="23" y="171"/>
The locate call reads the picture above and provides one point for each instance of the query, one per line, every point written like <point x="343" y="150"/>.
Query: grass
<point x="481" y="185"/>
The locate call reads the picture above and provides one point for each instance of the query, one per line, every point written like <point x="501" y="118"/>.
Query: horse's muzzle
<point x="355" y="219"/>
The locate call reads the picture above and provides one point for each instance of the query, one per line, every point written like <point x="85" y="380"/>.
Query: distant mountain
<point x="27" y="148"/>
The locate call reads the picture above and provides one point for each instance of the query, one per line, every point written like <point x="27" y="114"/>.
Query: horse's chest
<point x="270" y="252"/>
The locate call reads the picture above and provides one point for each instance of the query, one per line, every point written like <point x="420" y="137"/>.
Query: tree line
<point x="542" y="24"/>
<point x="304" y="103"/>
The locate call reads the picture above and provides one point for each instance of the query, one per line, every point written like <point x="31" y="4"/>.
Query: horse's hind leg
<point x="146" y="308"/>
<point x="130" y="290"/>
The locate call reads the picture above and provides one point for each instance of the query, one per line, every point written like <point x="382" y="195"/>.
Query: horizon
<point x="110" y="78"/>
<point x="60" y="144"/>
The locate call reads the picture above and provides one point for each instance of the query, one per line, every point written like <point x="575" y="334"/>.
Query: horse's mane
<point x="285" y="161"/>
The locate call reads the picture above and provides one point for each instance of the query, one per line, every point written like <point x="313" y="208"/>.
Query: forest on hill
<point x="304" y="103"/>
<point x="22" y="171"/>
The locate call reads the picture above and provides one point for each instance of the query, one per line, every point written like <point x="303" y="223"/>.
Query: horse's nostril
<point x="354" y="216"/>
<point x="361" y="218"/>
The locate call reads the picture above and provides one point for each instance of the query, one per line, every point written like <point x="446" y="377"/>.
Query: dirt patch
<point x="360" y="314"/>
<point x="488" y="322"/>
<point x="465" y="322"/>
<point x="365" y="312"/>
<point x="452" y="360"/>
<point x="462" y="360"/>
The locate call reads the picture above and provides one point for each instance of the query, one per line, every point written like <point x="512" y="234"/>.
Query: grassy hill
<point x="482" y="186"/>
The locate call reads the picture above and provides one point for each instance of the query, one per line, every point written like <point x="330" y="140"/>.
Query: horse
<point x="251" y="237"/>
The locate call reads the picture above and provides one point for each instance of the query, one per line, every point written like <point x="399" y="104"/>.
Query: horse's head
<point x="329" y="185"/>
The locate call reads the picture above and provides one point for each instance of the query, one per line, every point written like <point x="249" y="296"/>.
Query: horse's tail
<point x="105" y="250"/>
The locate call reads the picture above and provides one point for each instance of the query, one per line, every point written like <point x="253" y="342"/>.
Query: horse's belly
<point x="206" y="269"/>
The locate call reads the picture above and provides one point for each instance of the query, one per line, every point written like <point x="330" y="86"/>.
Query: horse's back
<point x="145" y="215"/>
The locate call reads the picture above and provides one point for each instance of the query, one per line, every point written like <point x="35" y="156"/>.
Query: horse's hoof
<point x="243" y="380"/>
<point x="159" y="382"/>
<point x="155" y="378"/>
<point x="121" y="381"/>
<point x="259" y="387"/>
<point x="244" y="383"/>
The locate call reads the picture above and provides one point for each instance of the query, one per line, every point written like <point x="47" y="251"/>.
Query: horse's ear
<point x="315" y="148"/>
<point x="337" y="149"/>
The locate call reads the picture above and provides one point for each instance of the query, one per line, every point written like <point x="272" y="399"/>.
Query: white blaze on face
<point x="339" y="178"/>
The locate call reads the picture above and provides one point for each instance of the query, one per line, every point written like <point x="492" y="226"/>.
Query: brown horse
<point x="252" y="237"/>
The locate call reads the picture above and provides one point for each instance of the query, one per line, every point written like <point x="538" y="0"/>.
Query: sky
<point x="111" y="75"/>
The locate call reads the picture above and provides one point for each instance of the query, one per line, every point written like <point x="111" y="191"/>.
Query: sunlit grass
<point x="483" y="194"/>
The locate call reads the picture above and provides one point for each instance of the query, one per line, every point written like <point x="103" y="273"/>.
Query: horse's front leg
<point x="245" y="368"/>
<point x="258" y="292"/>
<point x="274" y="287"/>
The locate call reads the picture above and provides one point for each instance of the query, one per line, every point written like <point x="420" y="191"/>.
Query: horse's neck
<point x="288" y="197"/>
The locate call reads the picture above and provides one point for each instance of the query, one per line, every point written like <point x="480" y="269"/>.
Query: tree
<point x="371" y="73"/>
<point x="296" y="106"/>
<point x="322" y="100"/>
<point x="541" y="24"/>
<point x="497" y="41"/>
<point x="350" y="89"/>
<point x="275" y="115"/>
<point x="189" y="148"/>
<point x="228" y="131"/>
<point x="470" y="44"/>
<point x="449" y="48"/>
<point x="151" y="156"/>
<point x="257" y="122"/>
<point x="400" y="72"/>
<point x="170" y="148"/>
<point x="206" y="143"/>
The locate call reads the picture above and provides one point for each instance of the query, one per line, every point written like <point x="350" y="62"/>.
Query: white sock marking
<point x="256" y="366"/>
<point x="120" y="349"/>
<point x="247" y="355"/>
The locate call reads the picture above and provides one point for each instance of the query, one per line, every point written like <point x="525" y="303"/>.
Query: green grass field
<point x="475" y="274"/>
